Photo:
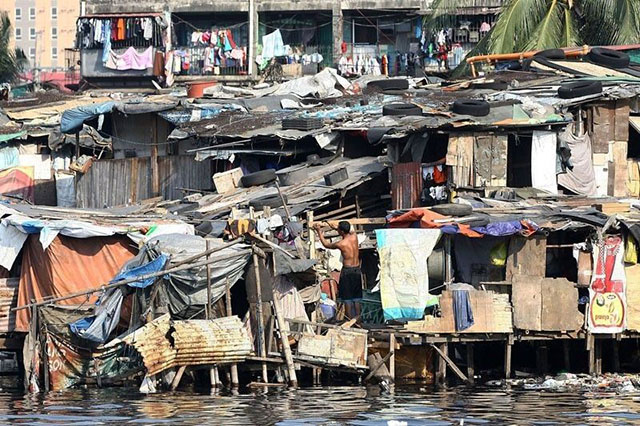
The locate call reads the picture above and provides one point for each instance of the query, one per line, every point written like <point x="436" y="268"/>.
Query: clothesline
<point x="202" y="30"/>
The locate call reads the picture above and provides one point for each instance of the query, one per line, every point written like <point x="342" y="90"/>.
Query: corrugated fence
<point x="8" y="300"/>
<point x="127" y="180"/>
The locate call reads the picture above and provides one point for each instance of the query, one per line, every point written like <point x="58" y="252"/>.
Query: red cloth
<point x="343" y="47"/>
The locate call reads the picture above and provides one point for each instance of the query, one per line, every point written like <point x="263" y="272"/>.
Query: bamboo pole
<point x="128" y="281"/>
<point x="260" y="319"/>
<point x="284" y="339"/>
<point x="234" y="367"/>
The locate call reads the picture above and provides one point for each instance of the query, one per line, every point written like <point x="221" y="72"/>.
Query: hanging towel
<point x="462" y="311"/>
<point x="130" y="60"/>
<point x="543" y="161"/>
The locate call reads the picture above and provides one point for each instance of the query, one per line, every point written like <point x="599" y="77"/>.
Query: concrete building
<point x="322" y="31"/>
<point x="43" y="29"/>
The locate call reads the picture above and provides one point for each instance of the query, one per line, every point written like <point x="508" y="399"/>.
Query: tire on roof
<point x="272" y="201"/>
<point x="579" y="89"/>
<point x="258" y="178"/>
<point x="475" y="107"/>
<point x="401" y="109"/>
<point x="452" y="209"/>
<point x="390" y="84"/>
<point x="608" y="57"/>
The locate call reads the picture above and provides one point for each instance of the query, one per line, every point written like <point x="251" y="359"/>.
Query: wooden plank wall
<point x="128" y="180"/>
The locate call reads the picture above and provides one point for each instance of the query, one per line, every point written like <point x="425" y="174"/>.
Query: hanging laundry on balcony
<point x="131" y="59"/>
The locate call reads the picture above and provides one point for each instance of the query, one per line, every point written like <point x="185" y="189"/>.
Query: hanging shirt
<point x="147" y="28"/>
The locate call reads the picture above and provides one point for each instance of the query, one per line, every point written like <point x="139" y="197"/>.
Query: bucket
<point x="194" y="90"/>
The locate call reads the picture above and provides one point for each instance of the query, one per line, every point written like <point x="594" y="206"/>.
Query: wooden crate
<point x="227" y="181"/>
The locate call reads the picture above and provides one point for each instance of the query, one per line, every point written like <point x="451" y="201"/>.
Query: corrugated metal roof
<point x="8" y="299"/>
<point x="165" y="344"/>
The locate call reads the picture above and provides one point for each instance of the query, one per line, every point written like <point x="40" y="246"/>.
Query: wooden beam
<point x="591" y="356"/>
<point x="392" y="359"/>
<point x="470" y="363"/>
<point x="507" y="357"/>
<point x="616" y="356"/>
<point x="377" y="367"/>
<point x="442" y="351"/>
<point x="361" y="221"/>
<point x="177" y="378"/>
<point x="567" y="355"/>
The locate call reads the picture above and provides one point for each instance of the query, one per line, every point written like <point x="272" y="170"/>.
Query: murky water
<point x="325" y="406"/>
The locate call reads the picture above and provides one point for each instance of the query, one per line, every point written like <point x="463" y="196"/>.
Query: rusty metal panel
<point x="165" y="344"/>
<point x="8" y="300"/>
<point x="406" y="185"/>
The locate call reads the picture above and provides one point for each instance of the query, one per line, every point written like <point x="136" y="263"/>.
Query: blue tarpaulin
<point x="99" y="326"/>
<point x="72" y="119"/>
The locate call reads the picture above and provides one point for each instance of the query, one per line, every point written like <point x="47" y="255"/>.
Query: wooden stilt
<point x="213" y="377"/>
<point x="591" y="356"/>
<point x="567" y="355"/>
<point x="441" y="375"/>
<point x="542" y="365"/>
<point x="470" y="363"/>
<point x="507" y="357"/>
<point x="616" y="356"/>
<point x="177" y="378"/>
<point x="260" y="319"/>
<point x="284" y="340"/>
<point x="598" y="354"/>
<point x="392" y="358"/>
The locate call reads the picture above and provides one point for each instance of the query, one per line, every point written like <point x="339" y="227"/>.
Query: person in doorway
<point x="350" y="284"/>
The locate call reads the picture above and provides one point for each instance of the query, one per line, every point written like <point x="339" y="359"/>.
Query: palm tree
<point x="524" y="25"/>
<point x="11" y="62"/>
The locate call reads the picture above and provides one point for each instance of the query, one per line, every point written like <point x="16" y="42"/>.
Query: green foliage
<point x="11" y="62"/>
<point x="545" y="24"/>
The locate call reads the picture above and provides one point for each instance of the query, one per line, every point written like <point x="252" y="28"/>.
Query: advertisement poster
<point x="607" y="301"/>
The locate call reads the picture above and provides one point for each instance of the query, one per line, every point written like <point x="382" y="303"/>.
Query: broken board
<point x="545" y="304"/>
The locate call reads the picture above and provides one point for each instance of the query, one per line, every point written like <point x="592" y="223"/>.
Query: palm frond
<point x="609" y="22"/>
<point x="515" y="25"/>
<point x="9" y="65"/>
<point x="443" y="14"/>
<point x="555" y="30"/>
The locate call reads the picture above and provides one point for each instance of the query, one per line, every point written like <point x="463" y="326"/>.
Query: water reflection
<point x="322" y="405"/>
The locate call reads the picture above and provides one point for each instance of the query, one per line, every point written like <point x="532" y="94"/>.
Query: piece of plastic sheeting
<point x="69" y="265"/>
<point x="186" y="291"/>
<point x="11" y="242"/>
<point x="72" y="119"/>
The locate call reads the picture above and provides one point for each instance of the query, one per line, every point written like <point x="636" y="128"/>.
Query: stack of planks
<point x="614" y="207"/>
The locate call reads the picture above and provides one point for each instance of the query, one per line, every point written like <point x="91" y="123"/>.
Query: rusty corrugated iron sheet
<point x="406" y="185"/>
<point x="164" y="344"/>
<point x="8" y="299"/>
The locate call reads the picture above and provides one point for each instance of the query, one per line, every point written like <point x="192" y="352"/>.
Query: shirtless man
<point x="350" y="285"/>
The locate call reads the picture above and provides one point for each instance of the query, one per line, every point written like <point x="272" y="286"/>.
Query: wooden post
<point x="284" y="339"/>
<point x="598" y="355"/>
<point x="448" y="274"/>
<point x="260" y="319"/>
<point x="591" y="356"/>
<point x="542" y="358"/>
<point x="507" y="357"/>
<point x="213" y="377"/>
<point x="207" y="311"/>
<point x="392" y="359"/>
<point x="234" y="366"/>
<point x="470" y="362"/>
<point x="177" y="378"/>
<point x="616" y="355"/>
<point x="312" y="235"/>
<point x="155" y="177"/>
<point x="441" y="376"/>
<point x="567" y="355"/>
